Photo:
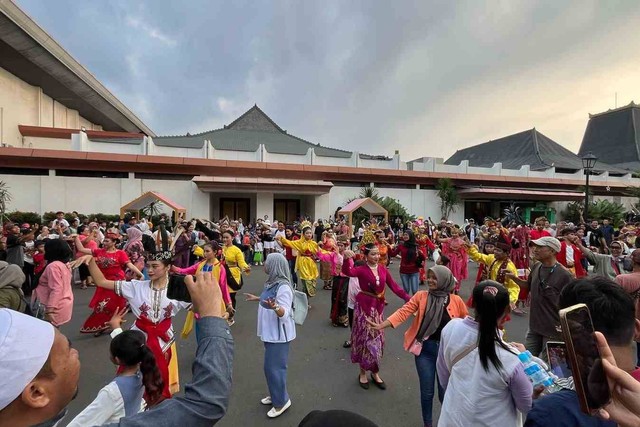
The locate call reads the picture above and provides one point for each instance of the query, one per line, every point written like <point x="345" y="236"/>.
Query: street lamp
<point x="588" y="162"/>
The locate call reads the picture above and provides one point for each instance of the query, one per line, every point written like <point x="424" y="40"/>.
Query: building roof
<point x="524" y="148"/>
<point x="614" y="137"/>
<point x="32" y="55"/>
<point x="246" y="133"/>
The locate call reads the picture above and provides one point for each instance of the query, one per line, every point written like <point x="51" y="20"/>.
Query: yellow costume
<point x="305" y="263"/>
<point x="190" y="319"/>
<point x="494" y="267"/>
<point x="235" y="260"/>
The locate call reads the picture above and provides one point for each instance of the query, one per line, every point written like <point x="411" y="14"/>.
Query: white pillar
<point x="264" y="205"/>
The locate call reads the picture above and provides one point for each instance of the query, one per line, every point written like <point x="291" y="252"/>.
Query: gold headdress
<point x="304" y="224"/>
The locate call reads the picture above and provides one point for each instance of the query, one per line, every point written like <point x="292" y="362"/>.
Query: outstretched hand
<point x="251" y="297"/>
<point x="375" y="326"/>
<point x="86" y="259"/>
<point x="118" y="319"/>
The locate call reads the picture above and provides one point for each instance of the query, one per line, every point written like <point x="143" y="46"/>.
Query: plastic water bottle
<point x="536" y="373"/>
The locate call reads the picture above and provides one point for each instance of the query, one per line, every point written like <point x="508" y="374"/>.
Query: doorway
<point x="286" y="210"/>
<point x="235" y="208"/>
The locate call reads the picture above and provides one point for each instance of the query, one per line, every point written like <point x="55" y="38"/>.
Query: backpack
<point x="299" y="304"/>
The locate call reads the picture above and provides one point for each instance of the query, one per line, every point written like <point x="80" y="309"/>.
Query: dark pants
<point x="426" y="367"/>
<point x="350" y="313"/>
<point x="292" y="270"/>
<point x="29" y="279"/>
<point x="233" y="299"/>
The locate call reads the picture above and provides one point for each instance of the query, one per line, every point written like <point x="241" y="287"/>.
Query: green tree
<point x="5" y="198"/>
<point x="449" y="198"/>
<point x="599" y="210"/>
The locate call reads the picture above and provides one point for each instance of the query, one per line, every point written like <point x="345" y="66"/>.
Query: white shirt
<point x="273" y="329"/>
<point x="106" y="408"/>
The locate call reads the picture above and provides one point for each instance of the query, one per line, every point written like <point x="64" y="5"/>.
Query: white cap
<point x="25" y="344"/>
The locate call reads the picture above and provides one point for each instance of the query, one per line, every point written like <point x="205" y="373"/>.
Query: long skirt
<point x="325" y="271"/>
<point x="339" y="296"/>
<point x="309" y="287"/>
<point x="104" y="303"/>
<point x="366" y="344"/>
<point x="458" y="266"/>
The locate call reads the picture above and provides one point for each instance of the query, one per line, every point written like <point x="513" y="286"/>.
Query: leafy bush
<point x="50" y="216"/>
<point x="24" y="217"/>
<point x="599" y="210"/>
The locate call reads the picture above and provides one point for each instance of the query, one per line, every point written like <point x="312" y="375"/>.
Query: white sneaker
<point x="266" y="400"/>
<point x="273" y="412"/>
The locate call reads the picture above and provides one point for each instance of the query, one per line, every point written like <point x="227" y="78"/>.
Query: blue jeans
<point x="410" y="282"/>
<point x="275" y="371"/>
<point x="426" y="367"/>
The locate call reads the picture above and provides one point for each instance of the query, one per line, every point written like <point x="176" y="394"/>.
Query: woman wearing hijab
<point x="134" y="250"/>
<point x="276" y="329"/>
<point x="433" y="309"/>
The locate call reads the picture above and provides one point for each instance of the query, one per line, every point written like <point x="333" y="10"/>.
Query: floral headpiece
<point x="160" y="256"/>
<point x="305" y="224"/>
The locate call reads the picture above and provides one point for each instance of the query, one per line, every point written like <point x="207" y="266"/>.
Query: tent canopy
<point x="149" y="197"/>
<point x="367" y="204"/>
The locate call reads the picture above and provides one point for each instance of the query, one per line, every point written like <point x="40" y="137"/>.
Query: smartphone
<point x="177" y="289"/>
<point x="558" y="360"/>
<point x="584" y="358"/>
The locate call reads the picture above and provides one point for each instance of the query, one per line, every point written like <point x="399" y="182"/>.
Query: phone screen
<point x="558" y="360"/>
<point x="586" y="362"/>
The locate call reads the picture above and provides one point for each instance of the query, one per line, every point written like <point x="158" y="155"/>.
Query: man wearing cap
<point x="545" y="282"/>
<point x="607" y="265"/>
<point x="39" y="370"/>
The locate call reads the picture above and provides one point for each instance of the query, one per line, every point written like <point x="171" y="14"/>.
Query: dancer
<point x="329" y="245"/>
<point x="454" y="248"/>
<point x="367" y="345"/>
<point x="498" y="265"/>
<point x="431" y="311"/>
<point x="138" y="374"/>
<point x="153" y="310"/>
<point x="210" y="264"/>
<point x="112" y="263"/>
<point x="424" y="246"/>
<point x="234" y="260"/>
<point x="340" y="287"/>
<point x="305" y="265"/>
<point x="276" y="330"/>
<point x="411" y="260"/>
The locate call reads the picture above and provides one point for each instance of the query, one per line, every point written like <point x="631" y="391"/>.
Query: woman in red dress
<point x="112" y="263"/>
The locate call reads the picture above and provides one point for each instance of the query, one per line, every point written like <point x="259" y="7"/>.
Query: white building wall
<point x="264" y="205"/>
<point x="46" y="143"/>
<point x="104" y="147"/>
<point x="97" y="195"/>
<point x="24" y="104"/>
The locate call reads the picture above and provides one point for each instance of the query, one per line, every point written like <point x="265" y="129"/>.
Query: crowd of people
<point x="459" y="346"/>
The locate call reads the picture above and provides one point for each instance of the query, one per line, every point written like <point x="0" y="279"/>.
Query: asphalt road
<point x="320" y="376"/>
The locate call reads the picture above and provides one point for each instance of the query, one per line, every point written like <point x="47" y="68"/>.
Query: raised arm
<point x="347" y="266"/>
<point x="80" y="247"/>
<point x="396" y="288"/>
<point x="476" y="256"/>
<point x="95" y="272"/>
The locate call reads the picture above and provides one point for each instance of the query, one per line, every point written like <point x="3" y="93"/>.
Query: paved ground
<point x="321" y="375"/>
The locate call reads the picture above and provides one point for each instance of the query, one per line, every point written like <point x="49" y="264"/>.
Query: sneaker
<point x="266" y="400"/>
<point x="231" y="322"/>
<point x="273" y="412"/>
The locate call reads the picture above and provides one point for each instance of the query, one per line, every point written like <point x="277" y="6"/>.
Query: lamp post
<point x="588" y="162"/>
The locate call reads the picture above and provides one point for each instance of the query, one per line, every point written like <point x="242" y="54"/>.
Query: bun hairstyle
<point x="368" y="248"/>
<point x="490" y="300"/>
<point x="130" y="349"/>
<point x="229" y="232"/>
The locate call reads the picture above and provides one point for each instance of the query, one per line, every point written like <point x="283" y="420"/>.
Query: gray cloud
<point x="422" y="77"/>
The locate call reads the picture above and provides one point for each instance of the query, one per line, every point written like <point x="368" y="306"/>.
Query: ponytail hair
<point x="130" y="349"/>
<point x="490" y="300"/>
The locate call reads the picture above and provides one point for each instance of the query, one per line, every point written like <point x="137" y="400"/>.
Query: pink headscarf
<point x="133" y="235"/>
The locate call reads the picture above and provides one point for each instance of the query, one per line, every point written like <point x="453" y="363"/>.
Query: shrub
<point x="24" y="217"/>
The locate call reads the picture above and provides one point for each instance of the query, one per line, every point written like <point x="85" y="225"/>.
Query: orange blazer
<point x="418" y="304"/>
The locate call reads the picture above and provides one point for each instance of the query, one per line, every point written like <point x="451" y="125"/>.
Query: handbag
<point x="416" y="348"/>
<point x="300" y="307"/>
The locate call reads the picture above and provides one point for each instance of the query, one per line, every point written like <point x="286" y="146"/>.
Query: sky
<point x="422" y="77"/>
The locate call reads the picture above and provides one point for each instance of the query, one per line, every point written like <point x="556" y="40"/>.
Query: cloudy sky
<point x="422" y="77"/>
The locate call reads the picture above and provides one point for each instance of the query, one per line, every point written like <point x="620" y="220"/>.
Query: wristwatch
<point x="276" y="308"/>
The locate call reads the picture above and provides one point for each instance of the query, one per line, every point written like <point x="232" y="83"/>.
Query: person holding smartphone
<point x="613" y="314"/>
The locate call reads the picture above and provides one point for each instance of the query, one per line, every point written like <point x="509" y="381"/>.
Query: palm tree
<point x="448" y="195"/>
<point x="5" y="198"/>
